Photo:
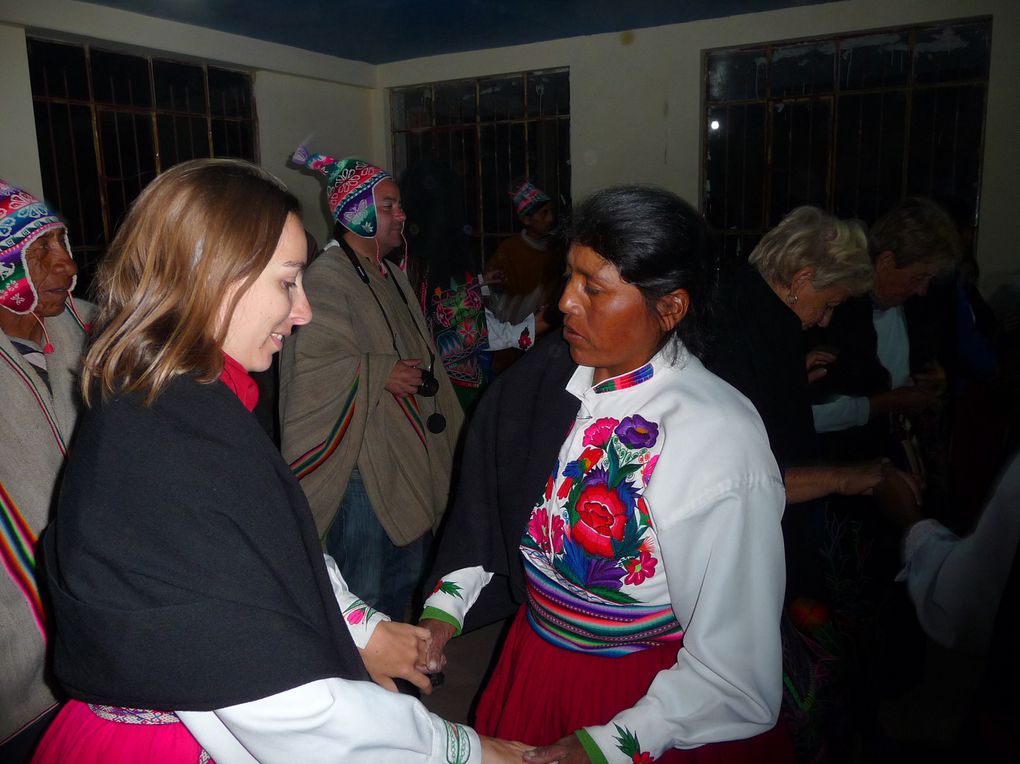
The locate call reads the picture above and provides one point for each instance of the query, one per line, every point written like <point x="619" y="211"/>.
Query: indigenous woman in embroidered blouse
<point x="646" y="544"/>
<point x="195" y="614"/>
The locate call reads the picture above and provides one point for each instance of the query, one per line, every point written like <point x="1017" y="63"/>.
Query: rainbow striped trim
<point x="39" y="398"/>
<point x="409" y="405"/>
<point x="17" y="552"/>
<point x="565" y="620"/>
<point x="317" y="455"/>
<point x="630" y="379"/>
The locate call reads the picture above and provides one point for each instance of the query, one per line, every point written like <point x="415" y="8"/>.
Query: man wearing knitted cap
<point x="369" y="419"/>
<point x="40" y="357"/>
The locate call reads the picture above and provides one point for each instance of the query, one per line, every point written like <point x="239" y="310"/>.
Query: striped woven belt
<point x="575" y="624"/>
<point x="133" y="715"/>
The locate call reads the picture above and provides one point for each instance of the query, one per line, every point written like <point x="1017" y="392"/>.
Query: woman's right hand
<point x="441" y="632"/>
<point x="856" y="479"/>
<point x="496" y="751"/>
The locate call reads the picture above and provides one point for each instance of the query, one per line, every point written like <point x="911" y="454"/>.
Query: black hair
<point x="657" y="242"/>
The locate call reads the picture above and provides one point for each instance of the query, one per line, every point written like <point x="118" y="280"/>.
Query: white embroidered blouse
<point x="665" y="498"/>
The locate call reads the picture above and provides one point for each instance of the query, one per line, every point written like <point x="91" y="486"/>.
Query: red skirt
<point x="78" y="735"/>
<point x="540" y="693"/>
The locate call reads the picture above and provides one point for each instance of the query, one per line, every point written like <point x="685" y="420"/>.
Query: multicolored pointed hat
<point x="23" y="219"/>
<point x="350" y="188"/>
<point x="527" y="198"/>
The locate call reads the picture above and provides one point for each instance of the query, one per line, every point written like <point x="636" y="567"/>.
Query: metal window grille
<point x="850" y="123"/>
<point x="109" y="122"/>
<point x="493" y="133"/>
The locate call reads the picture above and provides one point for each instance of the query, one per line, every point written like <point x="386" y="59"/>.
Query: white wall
<point x="19" y="161"/>
<point x="636" y="96"/>
<point x="328" y="117"/>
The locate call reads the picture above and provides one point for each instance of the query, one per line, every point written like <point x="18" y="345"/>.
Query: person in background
<point x="195" y="615"/>
<point x="629" y="499"/>
<point x="886" y="360"/>
<point x="369" y="419"/>
<point x="44" y="330"/>
<point x="796" y="278"/>
<point x="523" y="277"/>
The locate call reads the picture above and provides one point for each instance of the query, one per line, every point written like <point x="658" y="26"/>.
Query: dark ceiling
<point x="394" y="30"/>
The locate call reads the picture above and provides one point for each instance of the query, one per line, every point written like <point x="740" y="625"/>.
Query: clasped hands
<point x="401" y="650"/>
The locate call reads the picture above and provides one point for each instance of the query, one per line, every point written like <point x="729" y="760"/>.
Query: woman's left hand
<point x="396" y="650"/>
<point x="567" y="750"/>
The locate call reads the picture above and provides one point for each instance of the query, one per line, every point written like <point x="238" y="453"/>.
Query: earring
<point x="791" y="298"/>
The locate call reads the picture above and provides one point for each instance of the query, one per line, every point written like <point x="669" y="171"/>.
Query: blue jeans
<point x="382" y="574"/>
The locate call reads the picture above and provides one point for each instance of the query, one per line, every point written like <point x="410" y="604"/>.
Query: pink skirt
<point x="79" y="735"/>
<point x="540" y="693"/>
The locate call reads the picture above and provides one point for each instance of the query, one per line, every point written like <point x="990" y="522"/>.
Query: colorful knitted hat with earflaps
<point x="527" y="198"/>
<point x="350" y="188"/>
<point x="23" y="219"/>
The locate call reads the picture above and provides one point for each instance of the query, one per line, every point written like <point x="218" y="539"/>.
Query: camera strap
<point x="363" y="275"/>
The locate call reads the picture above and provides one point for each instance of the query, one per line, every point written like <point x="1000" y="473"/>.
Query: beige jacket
<point x="335" y="412"/>
<point x="35" y="431"/>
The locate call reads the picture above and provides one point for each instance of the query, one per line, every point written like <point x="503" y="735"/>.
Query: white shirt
<point x="841" y="412"/>
<point x="333" y="720"/>
<point x="956" y="584"/>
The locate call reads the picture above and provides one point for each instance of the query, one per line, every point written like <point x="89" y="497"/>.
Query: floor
<point x="468" y="658"/>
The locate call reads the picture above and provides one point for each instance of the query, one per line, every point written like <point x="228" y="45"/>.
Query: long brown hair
<point x="195" y="232"/>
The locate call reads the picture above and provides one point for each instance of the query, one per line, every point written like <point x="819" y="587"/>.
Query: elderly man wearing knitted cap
<point x="369" y="420"/>
<point x="40" y="355"/>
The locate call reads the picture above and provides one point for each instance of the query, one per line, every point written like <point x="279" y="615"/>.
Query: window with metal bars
<point x="109" y="122"/>
<point x="850" y="123"/>
<point x="488" y="135"/>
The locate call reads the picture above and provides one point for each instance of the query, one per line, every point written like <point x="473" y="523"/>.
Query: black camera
<point x="429" y="384"/>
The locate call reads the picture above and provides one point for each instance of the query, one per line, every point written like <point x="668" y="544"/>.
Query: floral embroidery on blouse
<point x="458" y="744"/>
<point x="597" y="534"/>
<point x="358" y="611"/>
<point x="628" y="744"/>
<point x="447" y="587"/>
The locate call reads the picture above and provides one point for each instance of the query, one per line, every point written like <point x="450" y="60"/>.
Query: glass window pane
<point x="869" y="154"/>
<point x="229" y="93"/>
<point x="179" y="87"/>
<point x="181" y="138"/>
<point x="952" y="52"/>
<point x="803" y="69"/>
<point x="945" y="142"/>
<point x="737" y="75"/>
<point x="67" y="159"/>
<point x="874" y="60"/>
<point x="800" y="156"/>
<point x="411" y="108"/>
<point x="57" y="70"/>
<point x="232" y="138"/>
<point x="454" y="103"/>
<point x="120" y="79"/>
<point x="735" y="166"/>
<point x="548" y="94"/>
<point x="128" y="158"/>
<point x="501" y="99"/>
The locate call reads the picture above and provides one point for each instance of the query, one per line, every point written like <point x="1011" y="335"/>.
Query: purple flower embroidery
<point x="637" y="432"/>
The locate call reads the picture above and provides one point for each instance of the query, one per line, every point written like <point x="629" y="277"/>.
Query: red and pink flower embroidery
<point x="602" y="517"/>
<point x="638" y="569"/>
<point x="598" y="434"/>
<point x="538" y="529"/>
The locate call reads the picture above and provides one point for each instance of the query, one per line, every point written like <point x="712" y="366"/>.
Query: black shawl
<point x="183" y="565"/>
<point x="509" y="452"/>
